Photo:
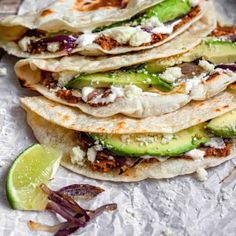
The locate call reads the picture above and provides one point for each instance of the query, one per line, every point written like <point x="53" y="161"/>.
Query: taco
<point x="149" y="89"/>
<point x="99" y="27"/>
<point x="200" y="135"/>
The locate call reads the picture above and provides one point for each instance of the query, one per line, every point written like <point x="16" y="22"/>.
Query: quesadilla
<point x="101" y="27"/>
<point x="149" y="89"/>
<point x="200" y="135"/>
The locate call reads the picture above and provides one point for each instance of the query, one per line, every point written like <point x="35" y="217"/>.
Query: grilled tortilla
<point x="66" y="28"/>
<point x="136" y="91"/>
<point x="68" y="130"/>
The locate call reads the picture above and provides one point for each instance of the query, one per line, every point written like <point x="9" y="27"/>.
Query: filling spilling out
<point x="150" y="27"/>
<point x="120" y="153"/>
<point x="187" y="74"/>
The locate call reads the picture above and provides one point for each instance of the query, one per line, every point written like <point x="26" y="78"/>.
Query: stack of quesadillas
<point x="131" y="89"/>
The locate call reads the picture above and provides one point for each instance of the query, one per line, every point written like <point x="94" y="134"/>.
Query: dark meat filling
<point x="107" y="43"/>
<point x="74" y="96"/>
<point x="223" y="31"/>
<point x="215" y="152"/>
<point x="68" y="96"/>
<point x="106" y="161"/>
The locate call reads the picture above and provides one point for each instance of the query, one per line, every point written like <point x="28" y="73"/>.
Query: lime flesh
<point x="34" y="166"/>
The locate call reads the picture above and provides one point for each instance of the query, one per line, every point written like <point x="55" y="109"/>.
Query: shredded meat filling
<point x="47" y="80"/>
<point x="107" y="43"/>
<point x="107" y="162"/>
<point x="223" y="31"/>
<point x="104" y="162"/>
<point x="193" y="13"/>
<point x="68" y="96"/>
<point x="215" y="152"/>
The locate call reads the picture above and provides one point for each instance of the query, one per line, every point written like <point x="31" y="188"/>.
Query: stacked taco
<point x="163" y="106"/>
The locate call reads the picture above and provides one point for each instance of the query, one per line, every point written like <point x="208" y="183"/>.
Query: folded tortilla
<point x="29" y="71"/>
<point x="187" y="116"/>
<point x="58" y="126"/>
<point x="66" y="16"/>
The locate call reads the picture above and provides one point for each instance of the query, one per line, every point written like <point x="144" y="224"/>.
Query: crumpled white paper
<point x="180" y="206"/>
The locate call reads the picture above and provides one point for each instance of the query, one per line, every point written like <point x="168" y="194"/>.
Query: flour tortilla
<point x="145" y="105"/>
<point x="53" y="135"/>
<point x="28" y="71"/>
<point x="7" y="43"/>
<point x="190" y="115"/>
<point x="80" y="64"/>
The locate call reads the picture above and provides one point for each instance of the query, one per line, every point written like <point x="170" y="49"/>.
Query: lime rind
<point x="34" y="166"/>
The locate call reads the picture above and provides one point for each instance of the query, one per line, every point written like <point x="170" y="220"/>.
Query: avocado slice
<point x="224" y="126"/>
<point x="168" y="10"/>
<point x="142" y="79"/>
<point x="213" y="50"/>
<point x="140" y="145"/>
<point x="165" y="11"/>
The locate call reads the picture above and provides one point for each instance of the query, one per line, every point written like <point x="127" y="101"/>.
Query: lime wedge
<point x="34" y="166"/>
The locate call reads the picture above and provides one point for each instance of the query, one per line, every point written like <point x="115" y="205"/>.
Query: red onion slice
<point x="54" y="207"/>
<point x="84" y="191"/>
<point x="231" y="67"/>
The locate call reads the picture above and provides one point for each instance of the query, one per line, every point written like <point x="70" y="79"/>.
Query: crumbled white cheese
<point x="171" y="74"/>
<point x="118" y="91"/>
<point x="193" y="3"/>
<point x="24" y="42"/>
<point x="3" y="71"/>
<point x="195" y="87"/>
<point x="115" y="93"/>
<point x="86" y="39"/>
<point x="151" y="22"/>
<point x="158" y="27"/>
<point x="91" y="154"/>
<point x="140" y="37"/>
<point x="125" y="138"/>
<point x="165" y="28"/>
<point x="201" y="174"/>
<point x="132" y="35"/>
<point x="198" y="90"/>
<point x="85" y="92"/>
<point x="196" y="154"/>
<point x="121" y="34"/>
<point x="216" y="142"/>
<point x="77" y="155"/>
<point x="53" y="47"/>
<point x="131" y="91"/>
<point x="206" y="65"/>
<point x="145" y="140"/>
<point x="167" y="138"/>
<point x="64" y="77"/>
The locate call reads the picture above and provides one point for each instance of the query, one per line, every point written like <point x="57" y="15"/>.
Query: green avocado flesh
<point x="211" y="49"/>
<point x="168" y="10"/>
<point x="143" y="79"/>
<point x="224" y="126"/>
<point x="165" y="11"/>
<point x="141" y="145"/>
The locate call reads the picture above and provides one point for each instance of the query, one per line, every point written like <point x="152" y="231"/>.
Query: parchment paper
<point x="180" y="206"/>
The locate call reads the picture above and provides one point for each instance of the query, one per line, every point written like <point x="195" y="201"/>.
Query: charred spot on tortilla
<point x="93" y="5"/>
<point x="47" y="12"/>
